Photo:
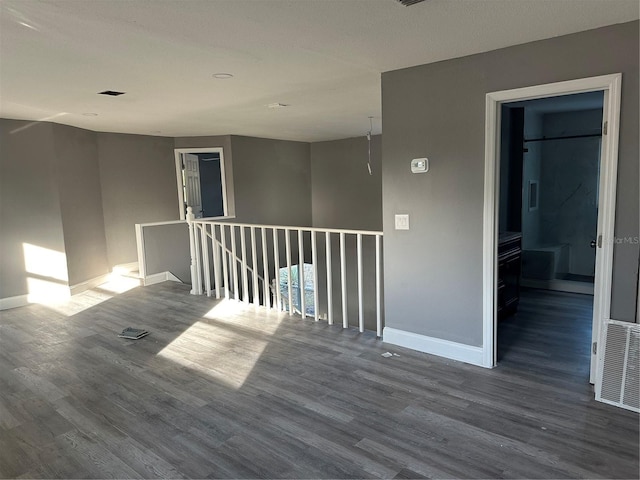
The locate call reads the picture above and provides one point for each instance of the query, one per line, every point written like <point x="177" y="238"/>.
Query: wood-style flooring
<point x="221" y="390"/>
<point x="550" y="333"/>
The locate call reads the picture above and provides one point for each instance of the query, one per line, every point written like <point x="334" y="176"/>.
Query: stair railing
<point x="240" y="261"/>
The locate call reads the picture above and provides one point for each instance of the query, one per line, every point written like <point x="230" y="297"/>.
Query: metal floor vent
<point x="408" y="3"/>
<point x="619" y="365"/>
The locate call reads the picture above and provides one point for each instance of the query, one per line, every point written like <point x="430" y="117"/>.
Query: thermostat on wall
<point x="420" y="165"/>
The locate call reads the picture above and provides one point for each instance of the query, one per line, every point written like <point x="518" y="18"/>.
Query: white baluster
<point x="276" y="260"/>
<point x="360" y="302"/>
<point x="205" y="258"/>
<point x="234" y="265"/>
<point x="329" y="279"/>
<point x="225" y="256"/>
<point x="198" y="282"/>
<point x="287" y="243"/>
<point x="265" y="269"/>
<point x="245" y="281"/>
<point x="216" y="260"/>
<point x="314" y="262"/>
<point x="301" y="273"/>
<point x="378" y="295"/>
<point x="254" y="255"/>
<point x="343" y="278"/>
<point x="192" y="250"/>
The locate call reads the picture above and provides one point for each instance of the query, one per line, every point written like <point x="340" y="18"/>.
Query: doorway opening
<point x="547" y="228"/>
<point x="529" y="198"/>
<point x="201" y="181"/>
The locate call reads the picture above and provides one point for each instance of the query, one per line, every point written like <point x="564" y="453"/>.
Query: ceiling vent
<point x="408" y="3"/>
<point x="111" y="93"/>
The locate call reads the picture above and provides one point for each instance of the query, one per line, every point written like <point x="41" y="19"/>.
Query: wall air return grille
<point x="619" y="365"/>
<point x="408" y="3"/>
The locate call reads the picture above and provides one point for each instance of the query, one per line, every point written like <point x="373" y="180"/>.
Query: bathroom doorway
<point x="609" y="87"/>
<point x="549" y="181"/>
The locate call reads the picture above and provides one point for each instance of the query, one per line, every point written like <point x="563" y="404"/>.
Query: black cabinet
<point x="509" y="268"/>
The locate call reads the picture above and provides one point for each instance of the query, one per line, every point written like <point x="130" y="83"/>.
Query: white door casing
<point x="188" y="153"/>
<point x="610" y="85"/>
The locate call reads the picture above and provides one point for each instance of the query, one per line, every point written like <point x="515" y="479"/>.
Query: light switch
<point x="402" y="222"/>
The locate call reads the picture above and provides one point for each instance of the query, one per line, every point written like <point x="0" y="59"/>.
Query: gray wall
<point x="167" y="250"/>
<point x="98" y="185"/>
<point x="78" y="178"/>
<point x="268" y="181"/>
<point x="138" y="176"/>
<point x="344" y="195"/>
<point x="272" y="181"/>
<point x="29" y="201"/>
<point x="223" y="141"/>
<point x="433" y="272"/>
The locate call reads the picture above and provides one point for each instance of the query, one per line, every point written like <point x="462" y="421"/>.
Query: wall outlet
<point x="402" y="222"/>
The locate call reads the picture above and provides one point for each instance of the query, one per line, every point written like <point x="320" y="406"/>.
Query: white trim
<point x="606" y="212"/>
<point x="159" y="224"/>
<point x="610" y="84"/>
<point x="434" y="346"/>
<point x="178" y="156"/>
<point x="14" y="302"/>
<point x="125" y="267"/>
<point x="89" y="284"/>
<point x="176" y="222"/>
<point x="490" y="230"/>
<point x="142" y="260"/>
<point x="159" y="278"/>
<point x="638" y="297"/>
<point x="26" y="299"/>
<point x="215" y="221"/>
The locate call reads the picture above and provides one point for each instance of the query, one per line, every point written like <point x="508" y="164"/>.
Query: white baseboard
<point x="125" y="267"/>
<point x="27" y="299"/>
<point x="159" y="278"/>
<point x="14" y="302"/>
<point x="88" y="285"/>
<point x="434" y="346"/>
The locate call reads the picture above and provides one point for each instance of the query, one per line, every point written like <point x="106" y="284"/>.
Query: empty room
<point x="319" y="239"/>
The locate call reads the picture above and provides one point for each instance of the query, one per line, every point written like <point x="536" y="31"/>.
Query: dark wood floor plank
<point x="224" y="390"/>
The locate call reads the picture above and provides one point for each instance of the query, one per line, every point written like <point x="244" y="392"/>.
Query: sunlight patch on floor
<point x="114" y="285"/>
<point x="48" y="285"/>
<point x="244" y="315"/>
<point x="119" y="284"/>
<point x="79" y="303"/>
<point x="219" y="345"/>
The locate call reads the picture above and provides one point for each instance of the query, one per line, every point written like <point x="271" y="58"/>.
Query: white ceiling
<point x="322" y="57"/>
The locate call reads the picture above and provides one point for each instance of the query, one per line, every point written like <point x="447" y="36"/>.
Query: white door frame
<point x="610" y="85"/>
<point x="178" y="154"/>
